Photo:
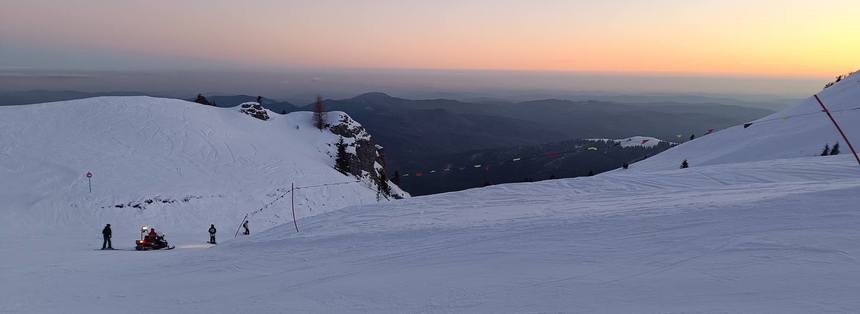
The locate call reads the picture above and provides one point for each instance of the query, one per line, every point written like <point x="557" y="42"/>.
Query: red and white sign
<point x="89" y="174"/>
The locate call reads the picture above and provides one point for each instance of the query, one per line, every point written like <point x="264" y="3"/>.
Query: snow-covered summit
<point x="165" y="162"/>
<point x="799" y="131"/>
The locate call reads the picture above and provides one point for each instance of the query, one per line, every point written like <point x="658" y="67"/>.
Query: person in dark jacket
<point x="245" y="225"/>
<point x="152" y="236"/>
<point x="106" y="234"/>
<point x="212" y="231"/>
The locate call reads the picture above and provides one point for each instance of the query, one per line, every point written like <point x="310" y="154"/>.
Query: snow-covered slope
<point x="771" y="236"/>
<point x="766" y="230"/>
<point x="800" y="131"/>
<point x="170" y="163"/>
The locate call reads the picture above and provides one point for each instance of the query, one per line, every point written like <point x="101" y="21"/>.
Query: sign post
<point x="90" y="180"/>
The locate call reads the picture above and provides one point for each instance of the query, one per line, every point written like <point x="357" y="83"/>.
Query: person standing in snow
<point x="245" y="225"/>
<point x="106" y="235"/>
<point x="212" y="231"/>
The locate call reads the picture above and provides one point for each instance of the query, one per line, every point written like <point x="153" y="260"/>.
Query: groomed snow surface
<point x="771" y="230"/>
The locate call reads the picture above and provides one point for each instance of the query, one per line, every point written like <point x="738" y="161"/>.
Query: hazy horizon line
<point x="415" y="70"/>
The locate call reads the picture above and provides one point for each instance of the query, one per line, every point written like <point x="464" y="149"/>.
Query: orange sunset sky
<point x="756" y="37"/>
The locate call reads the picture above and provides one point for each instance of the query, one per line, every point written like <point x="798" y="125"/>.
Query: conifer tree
<point x="319" y="114"/>
<point x="202" y="100"/>
<point x="382" y="184"/>
<point x="835" y="150"/>
<point x="341" y="162"/>
<point x="826" y="151"/>
<point x="396" y="178"/>
<point x="685" y="164"/>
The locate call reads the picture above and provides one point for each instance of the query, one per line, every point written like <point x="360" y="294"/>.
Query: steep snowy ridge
<point x="170" y="163"/>
<point x="800" y="131"/>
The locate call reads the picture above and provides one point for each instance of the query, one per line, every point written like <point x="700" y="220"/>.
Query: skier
<point x="106" y="234"/>
<point x="245" y="225"/>
<point x="212" y="231"/>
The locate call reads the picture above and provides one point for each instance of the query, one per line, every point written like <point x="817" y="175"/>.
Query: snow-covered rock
<point x="255" y="110"/>
<point x="365" y="157"/>
<point x="635" y="141"/>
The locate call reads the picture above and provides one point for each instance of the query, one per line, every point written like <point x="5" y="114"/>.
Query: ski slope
<point x="775" y="236"/>
<point x="769" y="230"/>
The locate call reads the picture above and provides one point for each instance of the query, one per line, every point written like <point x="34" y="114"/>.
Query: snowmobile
<point x="148" y="242"/>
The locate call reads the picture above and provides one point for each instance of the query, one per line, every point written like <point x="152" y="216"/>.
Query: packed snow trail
<point x="773" y="236"/>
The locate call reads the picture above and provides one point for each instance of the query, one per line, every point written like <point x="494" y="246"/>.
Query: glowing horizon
<point x="726" y="37"/>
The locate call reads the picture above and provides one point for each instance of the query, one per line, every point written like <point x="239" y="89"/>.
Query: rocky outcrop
<point x="255" y="110"/>
<point x="366" y="158"/>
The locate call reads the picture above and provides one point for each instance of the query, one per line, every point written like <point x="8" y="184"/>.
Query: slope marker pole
<point x="240" y="226"/>
<point x="844" y="137"/>
<point x="90" y="180"/>
<point x="293" y="204"/>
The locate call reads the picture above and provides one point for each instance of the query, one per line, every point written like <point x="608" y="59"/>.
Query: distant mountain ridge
<point x="412" y="130"/>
